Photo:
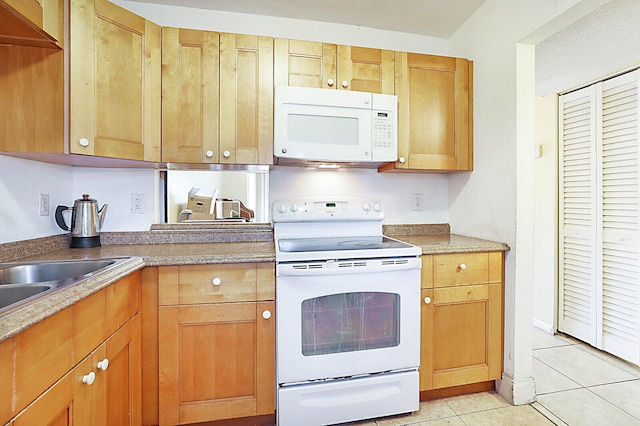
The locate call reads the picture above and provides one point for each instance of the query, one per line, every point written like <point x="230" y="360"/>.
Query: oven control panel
<point x="299" y="210"/>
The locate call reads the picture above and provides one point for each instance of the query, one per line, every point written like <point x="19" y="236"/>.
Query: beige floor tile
<point x="582" y="407"/>
<point x="465" y="404"/>
<point x="429" y="410"/>
<point x="611" y="359"/>
<point x="453" y="421"/>
<point x="542" y="339"/>
<point x="507" y="416"/>
<point x="550" y="380"/>
<point x="581" y="366"/>
<point x="624" y="395"/>
<point x="548" y="414"/>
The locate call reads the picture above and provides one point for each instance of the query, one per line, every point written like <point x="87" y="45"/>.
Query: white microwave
<point x="315" y="126"/>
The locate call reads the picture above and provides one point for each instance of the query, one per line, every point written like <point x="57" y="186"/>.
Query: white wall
<point x="21" y="183"/>
<point x="545" y="214"/>
<point x="242" y="23"/>
<point x="394" y="190"/>
<point x="496" y="200"/>
<point x="114" y="187"/>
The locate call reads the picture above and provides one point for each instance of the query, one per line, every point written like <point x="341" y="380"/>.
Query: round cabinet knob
<point x="401" y="160"/>
<point x="427" y="300"/>
<point x="209" y="154"/>
<point x="226" y="154"/>
<point x="89" y="378"/>
<point x="330" y="82"/>
<point x="84" y="142"/>
<point x="103" y="365"/>
<point x="462" y="266"/>
<point x="217" y="281"/>
<point x="345" y="84"/>
<point x="366" y="207"/>
<point x="266" y="314"/>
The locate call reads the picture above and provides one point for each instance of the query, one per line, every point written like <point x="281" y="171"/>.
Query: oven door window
<point x="349" y="322"/>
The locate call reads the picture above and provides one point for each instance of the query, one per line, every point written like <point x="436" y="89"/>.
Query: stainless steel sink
<point x="24" y="281"/>
<point x="29" y="273"/>
<point x="14" y="293"/>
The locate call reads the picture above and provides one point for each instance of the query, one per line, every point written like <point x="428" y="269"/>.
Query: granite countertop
<point x="185" y="245"/>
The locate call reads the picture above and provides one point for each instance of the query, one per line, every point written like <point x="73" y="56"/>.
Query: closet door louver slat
<point x="620" y="230"/>
<point x="577" y="216"/>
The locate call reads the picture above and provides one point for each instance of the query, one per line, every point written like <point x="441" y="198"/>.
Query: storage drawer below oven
<point x="346" y="400"/>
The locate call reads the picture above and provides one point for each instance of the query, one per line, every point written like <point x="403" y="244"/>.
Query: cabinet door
<point x="32" y="93"/>
<point x="190" y="96"/>
<point x="246" y="99"/>
<point x="114" y="82"/>
<point x="216" y="361"/>
<point x="305" y="64"/>
<point x="123" y="375"/>
<point x="461" y="334"/>
<point x="366" y="70"/>
<point x="89" y="383"/>
<point x="54" y="407"/>
<point x="435" y="112"/>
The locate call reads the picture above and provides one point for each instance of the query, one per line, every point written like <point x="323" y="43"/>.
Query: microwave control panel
<point x="382" y="129"/>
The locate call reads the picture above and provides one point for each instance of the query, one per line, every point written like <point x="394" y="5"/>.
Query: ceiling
<point x="434" y="18"/>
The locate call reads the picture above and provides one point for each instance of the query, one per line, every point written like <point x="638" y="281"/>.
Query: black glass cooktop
<point x="301" y="245"/>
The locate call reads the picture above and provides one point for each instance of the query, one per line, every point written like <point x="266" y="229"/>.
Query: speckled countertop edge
<point x="205" y="244"/>
<point x="23" y="317"/>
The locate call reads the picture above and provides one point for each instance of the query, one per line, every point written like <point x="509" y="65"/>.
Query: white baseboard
<point x="544" y="326"/>
<point x="517" y="393"/>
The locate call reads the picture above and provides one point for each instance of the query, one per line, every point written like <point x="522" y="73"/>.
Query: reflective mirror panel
<point x="251" y="188"/>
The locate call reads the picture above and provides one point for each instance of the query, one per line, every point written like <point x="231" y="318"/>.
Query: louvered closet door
<point x="578" y="218"/>
<point x="620" y="258"/>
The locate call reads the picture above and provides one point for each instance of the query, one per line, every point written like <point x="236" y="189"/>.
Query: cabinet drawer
<point x="197" y="284"/>
<point x="460" y="269"/>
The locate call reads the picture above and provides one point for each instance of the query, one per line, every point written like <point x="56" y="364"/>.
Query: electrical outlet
<point x="137" y="203"/>
<point x="44" y="204"/>
<point x="417" y="201"/>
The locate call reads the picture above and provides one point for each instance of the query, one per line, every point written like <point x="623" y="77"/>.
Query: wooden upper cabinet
<point x="246" y="99"/>
<point x="366" y="70"/>
<point x="37" y="23"/>
<point x="435" y="113"/>
<point x="115" y="84"/>
<point x="304" y="63"/>
<point x="190" y="95"/>
<point x="323" y="65"/>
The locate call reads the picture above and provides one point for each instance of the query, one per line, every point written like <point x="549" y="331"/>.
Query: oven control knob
<point x="294" y="207"/>
<point x="282" y="208"/>
<point x="266" y="314"/>
<point x="377" y="207"/>
<point x="366" y="207"/>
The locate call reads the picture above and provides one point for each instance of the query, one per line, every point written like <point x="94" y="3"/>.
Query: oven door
<point x="346" y="318"/>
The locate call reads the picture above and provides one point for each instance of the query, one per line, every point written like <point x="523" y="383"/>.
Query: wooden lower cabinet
<point x="51" y="359"/>
<point x="89" y="395"/>
<point x="216" y="360"/>
<point x="461" y="324"/>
